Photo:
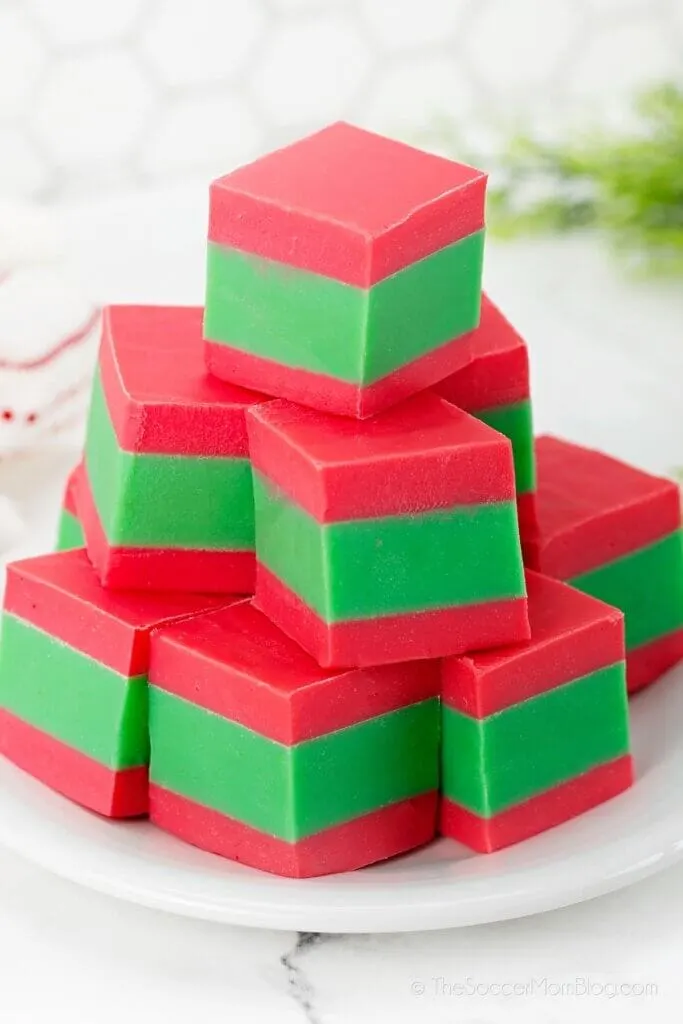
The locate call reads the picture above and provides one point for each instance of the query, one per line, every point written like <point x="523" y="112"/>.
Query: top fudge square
<point x="344" y="271"/>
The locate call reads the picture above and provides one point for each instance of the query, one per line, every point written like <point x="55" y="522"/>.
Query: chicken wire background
<point x="97" y="95"/>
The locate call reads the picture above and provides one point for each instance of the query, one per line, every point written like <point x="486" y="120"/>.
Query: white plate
<point x="637" y="834"/>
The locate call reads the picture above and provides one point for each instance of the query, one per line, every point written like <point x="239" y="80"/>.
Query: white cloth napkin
<point x="48" y="342"/>
<point x="48" y="332"/>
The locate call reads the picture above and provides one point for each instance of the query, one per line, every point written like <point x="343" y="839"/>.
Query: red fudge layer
<point x="236" y="663"/>
<point x="61" y="594"/>
<point x="646" y="664"/>
<point x="498" y="373"/>
<point x="337" y="396"/>
<point x="159" y="395"/>
<point x="322" y="204"/>
<point x="355" y="844"/>
<point x="69" y="499"/>
<point x="424" y="454"/>
<point x="527" y="514"/>
<point x="572" y="635"/>
<point x="114" y="794"/>
<point x="593" y="508"/>
<point x="392" y="638"/>
<point x="173" y="569"/>
<point x="540" y="813"/>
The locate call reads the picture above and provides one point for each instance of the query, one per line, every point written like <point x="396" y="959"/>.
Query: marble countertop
<point x="103" y="961"/>
<point x="69" y="952"/>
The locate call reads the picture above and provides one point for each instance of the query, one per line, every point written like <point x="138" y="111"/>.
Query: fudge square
<point x="166" y="501"/>
<point x="615" y="532"/>
<point x="259" y="755"/>
<point x="73" y="679"/>
<point x="69" y="530"/>
<point x="537" y="733"/>
<point x="343" y="271"/>
<point x="386" y="539"/>
<point x="494" y="387"/>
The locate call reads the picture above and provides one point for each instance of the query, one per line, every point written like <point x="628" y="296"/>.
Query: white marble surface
<point x="66" y="952"/>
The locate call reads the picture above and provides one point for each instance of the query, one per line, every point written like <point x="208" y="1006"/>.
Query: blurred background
<point x="99" y="96"/>
<point x="116" y="114"/>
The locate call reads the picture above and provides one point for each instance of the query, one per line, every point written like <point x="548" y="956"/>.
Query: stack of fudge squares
<point x="320" y="597"/>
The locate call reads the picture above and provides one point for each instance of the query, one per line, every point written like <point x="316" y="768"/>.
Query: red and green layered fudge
<point x="615" y="532"/>
<point x="166" y="503"/>
<point x="387" y="539"/>
<point x="69" y="530"/>
<point x="73" y="679"/>
<point x="343" y="271"/>
<point x="536" y="733"/>
<point x="495" y="388"/>
<point x="260" y="755"/>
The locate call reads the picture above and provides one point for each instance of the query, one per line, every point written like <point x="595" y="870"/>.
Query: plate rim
<point x="353" y="902"/>
<point x="392" y="905"/>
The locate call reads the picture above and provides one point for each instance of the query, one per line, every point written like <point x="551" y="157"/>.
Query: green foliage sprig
<point x="630" y="187"/>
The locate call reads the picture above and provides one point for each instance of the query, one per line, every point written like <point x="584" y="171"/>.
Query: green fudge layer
<point x="167" y="501"/>
<point x="496" y="762"/>
<point x="359" y="335"/>
<point x="365" y="568"/>
<point x="646" y="585"/>
<point x="292" y="791"/>
<point x="70" y="532"/>
<point x="515" y="421"/>
<point x="72" y="697"/>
